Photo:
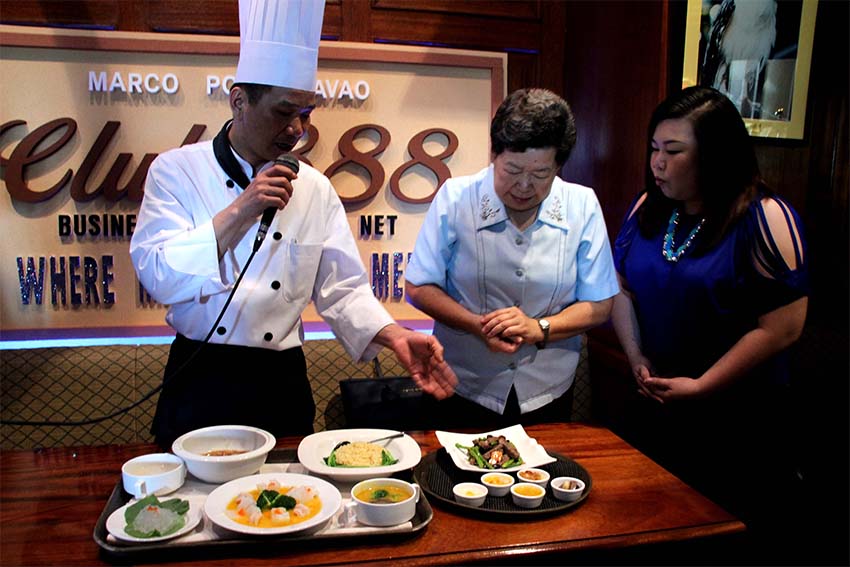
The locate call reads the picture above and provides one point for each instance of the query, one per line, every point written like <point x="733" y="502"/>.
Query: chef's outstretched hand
<point x="422" y="356"/>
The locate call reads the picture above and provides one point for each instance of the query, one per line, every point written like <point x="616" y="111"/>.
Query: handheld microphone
<point x="291" y="162"/>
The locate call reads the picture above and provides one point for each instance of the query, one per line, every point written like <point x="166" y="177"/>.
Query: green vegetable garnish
<point x="387" y="459"/>
<point x="475" y="453"/>
<point x="179" y="507"/>
<point x="330" y="460"/>
<point x="273" y="499"/>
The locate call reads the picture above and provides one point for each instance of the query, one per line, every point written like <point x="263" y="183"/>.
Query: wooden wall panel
<point x="469" y="32"/>
<point x="523" y="70"/>
<point x="553" y="34"/>
<point x="821" y="185"/>
<point x="356" y="21"/>
<point x="332" y="24"/>
<point x="219" y="17"/>
<point x="512" y="10"/>
<point x="613" y="75"/>
<point x="86" y="14"/>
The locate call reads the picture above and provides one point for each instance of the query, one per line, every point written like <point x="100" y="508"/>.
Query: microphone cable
<point x="165" y="380"/>
<point x="292" y="163"/>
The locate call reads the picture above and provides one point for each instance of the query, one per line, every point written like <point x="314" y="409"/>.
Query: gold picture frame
<point x="762" y="64"/>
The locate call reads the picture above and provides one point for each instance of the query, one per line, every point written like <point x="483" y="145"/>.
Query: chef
<point x="234" y="298"/>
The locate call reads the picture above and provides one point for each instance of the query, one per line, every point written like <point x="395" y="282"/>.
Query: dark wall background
<point x="614" y="61"/>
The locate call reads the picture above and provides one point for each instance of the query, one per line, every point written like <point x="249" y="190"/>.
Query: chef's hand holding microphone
<point x="268" y="193"/>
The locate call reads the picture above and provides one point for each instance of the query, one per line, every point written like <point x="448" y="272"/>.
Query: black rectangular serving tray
<point x="175" y="550"/>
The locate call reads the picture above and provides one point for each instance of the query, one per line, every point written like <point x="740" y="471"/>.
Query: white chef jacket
<point x="309" y="253"/>
<point x="468" y="247"/>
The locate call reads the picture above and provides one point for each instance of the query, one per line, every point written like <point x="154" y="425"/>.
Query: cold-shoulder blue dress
<point x="690" y="312"/>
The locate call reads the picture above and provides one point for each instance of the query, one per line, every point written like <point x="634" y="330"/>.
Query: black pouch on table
<point x="385" y="403"/>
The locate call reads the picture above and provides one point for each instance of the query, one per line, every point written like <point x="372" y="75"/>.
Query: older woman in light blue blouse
<point x="514" y="264"/>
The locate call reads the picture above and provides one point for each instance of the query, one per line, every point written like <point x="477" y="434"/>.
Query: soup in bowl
<point x="384" y="501"/>
<point x="222" y="453"/>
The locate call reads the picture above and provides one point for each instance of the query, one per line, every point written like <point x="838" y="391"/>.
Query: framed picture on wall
<point x="758" y="53"/>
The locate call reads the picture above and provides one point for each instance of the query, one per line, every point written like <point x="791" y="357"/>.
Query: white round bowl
<point x="571" y="494"/>
<point x="470" y="493"/>
<point x="527" y="495"/>
<point x="384" y="513"/>
<point x="534" y="476"/>
<point x="193" y="447"/>
<point x="155" y="473"/>
<point x="497" y="483"/>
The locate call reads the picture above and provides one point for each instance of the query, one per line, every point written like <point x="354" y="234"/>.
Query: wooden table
<point x="51" y="499"/>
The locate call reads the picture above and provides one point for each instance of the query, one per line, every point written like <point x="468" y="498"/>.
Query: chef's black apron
<point x="233" y="385"/>
<point x="213" y="384"/>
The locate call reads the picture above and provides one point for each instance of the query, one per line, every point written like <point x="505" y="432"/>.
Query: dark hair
<point x="533" y="118"/>
<point x="253" y="91"/>
<point x="728" y="177"/>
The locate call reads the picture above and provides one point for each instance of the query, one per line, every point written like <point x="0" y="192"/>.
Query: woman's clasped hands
<point x="663" y="389"/>
<point x="505" y="330"/>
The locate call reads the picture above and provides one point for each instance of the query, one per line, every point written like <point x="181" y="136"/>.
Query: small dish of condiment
<point x="567" y="488"/>
<point x="470" y="493"/>
<point x="497" y="483"/>
<point x="527" y="495"/>
<point x="534" y="476"/>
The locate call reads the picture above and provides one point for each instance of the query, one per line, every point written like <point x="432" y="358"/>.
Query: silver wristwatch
<point x="544" y="326"/>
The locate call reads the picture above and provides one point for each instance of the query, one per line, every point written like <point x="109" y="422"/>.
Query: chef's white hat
<point x="279" y="42"/>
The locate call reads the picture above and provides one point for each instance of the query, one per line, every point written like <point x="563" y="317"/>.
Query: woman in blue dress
<point x="714" y="290"/>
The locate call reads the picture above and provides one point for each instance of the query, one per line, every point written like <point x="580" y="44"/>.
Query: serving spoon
<point x="393" y="436"/>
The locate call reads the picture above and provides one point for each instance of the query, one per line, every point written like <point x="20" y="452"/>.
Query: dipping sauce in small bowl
<point x="497" y="483"/>
<point x="534" y="476"/>
<point x="470" y="493"/>
<point x="527" y="495"/>
<point x="567" y="488"/>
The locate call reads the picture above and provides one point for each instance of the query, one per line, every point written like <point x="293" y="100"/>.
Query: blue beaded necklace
<point x="668" y="248"/>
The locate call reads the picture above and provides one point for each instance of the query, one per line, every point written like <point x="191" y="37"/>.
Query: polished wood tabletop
<point x="51" y="499"/>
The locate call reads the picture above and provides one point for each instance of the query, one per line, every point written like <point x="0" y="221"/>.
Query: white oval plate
<point x="314" y="448"/>
<point x="219" y="498"/>
<point x="533" y="454"/>
<point x="116" y="523"/>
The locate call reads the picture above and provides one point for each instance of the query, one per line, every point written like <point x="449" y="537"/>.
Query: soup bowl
<point x="384" y="501"/>
<point x="155" y="473"/>
<point x="222" y="453"/>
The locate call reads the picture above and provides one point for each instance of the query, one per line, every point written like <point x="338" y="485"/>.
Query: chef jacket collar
<point x="233" y="164"/>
